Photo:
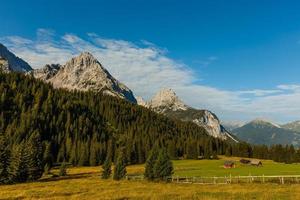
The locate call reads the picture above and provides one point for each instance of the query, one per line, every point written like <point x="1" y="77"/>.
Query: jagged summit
<point x="10" y="62"/>
<point x="168" y="99"/>
<point x="168" y="103"/>
<point x="84" y="72"/>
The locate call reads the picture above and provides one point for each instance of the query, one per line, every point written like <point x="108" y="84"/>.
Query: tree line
<point x="84" y="128"/>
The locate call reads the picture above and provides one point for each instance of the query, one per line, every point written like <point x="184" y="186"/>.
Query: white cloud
<point x="145" y="68"/>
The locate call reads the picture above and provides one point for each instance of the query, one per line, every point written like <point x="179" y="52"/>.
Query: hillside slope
<point x="82" y="127"/>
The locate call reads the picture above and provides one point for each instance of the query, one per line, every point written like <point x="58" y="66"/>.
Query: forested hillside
<point x="40" y="125"/>
<point x="82" y="127"/>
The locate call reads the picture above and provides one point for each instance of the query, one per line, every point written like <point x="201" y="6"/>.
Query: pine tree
<point x="48" y="156"/>
<point x="120" y="166"/>
<point x="149" y="165"/>
<point x="4" y="159"/>
<point x="63" y="169"/>
<point x="163" y="167"/>
<point x="35" y="157"/>
<point x="18" y="171"/>
<point x="84" y="155"/>
<point x="106" y="168"/>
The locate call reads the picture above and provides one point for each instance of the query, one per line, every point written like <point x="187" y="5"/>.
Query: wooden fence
<point x="279" y="179"/>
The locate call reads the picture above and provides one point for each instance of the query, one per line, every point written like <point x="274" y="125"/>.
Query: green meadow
<point x="85" y="183"/>
<point x="208" y="168"/>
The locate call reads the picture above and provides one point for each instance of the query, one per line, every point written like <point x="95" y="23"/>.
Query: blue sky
<point x="244" y="55"/>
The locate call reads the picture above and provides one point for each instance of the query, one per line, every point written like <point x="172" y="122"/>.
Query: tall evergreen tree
<point x="106" y="168"/>
<point x="18" y="171"/>
<point x="149" y="165"/>
<point x="35" y="157"/>
<point x="48" y="155"/>
<point x="163" y="167"/>
<point x="120" y="166"/>
<point x="63" y="169"/>
<point x="4" y="159"/>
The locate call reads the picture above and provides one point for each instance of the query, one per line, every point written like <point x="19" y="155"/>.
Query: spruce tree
<point x="149" y="165"/>
<point x="48" y="156"/>
<point x="120" y="166"/>
<point x="106" y="168"/>
<point x="35" y="157"/>
<point x="163" y="167"/>
<point x="4" y="159"/>
<point x="63" y="169"/>
<point x="18" y="171"/>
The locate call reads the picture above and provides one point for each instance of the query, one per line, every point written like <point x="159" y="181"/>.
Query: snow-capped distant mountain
<point x="10" y="62"/>
<point x="84" y="73"/>
<point x="265" y="132"/>
<point x="168" y="103"/>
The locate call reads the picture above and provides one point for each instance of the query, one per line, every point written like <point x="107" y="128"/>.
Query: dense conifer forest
<point x="40" y="126"/>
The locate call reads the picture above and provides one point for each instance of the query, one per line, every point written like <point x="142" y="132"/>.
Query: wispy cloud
<point x="146" y="68"/>
<point x="207" y="61"/>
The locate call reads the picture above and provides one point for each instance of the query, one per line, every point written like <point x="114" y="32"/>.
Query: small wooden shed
<point x="229" y="164"/>
<point x="256" y="163"/>
<point x="245" y="161"/>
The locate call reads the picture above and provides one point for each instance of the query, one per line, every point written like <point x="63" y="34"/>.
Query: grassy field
<point x="215" y="168"/>
<point x="84" y="183"/>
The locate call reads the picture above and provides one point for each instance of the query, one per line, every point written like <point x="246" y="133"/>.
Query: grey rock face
<point x="47" y="72"/>
<point x="168" y="103"/>
<point x="4" y="66"/>
<point x="84" y="73"/>
<point x="14" y="63"/>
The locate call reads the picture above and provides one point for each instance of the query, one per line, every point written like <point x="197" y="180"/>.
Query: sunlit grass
<point x="85" y="183"/>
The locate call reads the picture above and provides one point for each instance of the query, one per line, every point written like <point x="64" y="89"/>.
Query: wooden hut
<point x="245" y="161"/>
<point x="256" y="163"/>
<point x="229" y="164"/>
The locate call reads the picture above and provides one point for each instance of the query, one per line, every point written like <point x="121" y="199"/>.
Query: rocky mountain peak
<point x="13" y="63"/>
<point x="84" y="72"/>
<point x="85" y="59"/>
<point x="168" y="103"/>
<point x="168" y="99"/>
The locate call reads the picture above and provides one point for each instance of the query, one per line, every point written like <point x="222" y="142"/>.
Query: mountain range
<point x="85" y="73"/>
<point x="265" y="132"/>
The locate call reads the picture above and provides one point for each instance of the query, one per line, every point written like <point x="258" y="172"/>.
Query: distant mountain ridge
<point x="10" y="62"/>
<point x="265" y="132"/>
<point x="168" y="103"/>
<point x="294" y="126"/>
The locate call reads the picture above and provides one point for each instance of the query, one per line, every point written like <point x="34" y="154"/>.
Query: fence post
<point x="230" y="179"/>
<point x="263" y="178"/>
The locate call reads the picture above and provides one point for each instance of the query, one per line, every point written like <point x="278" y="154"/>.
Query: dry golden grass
<point x="85" y="183"/>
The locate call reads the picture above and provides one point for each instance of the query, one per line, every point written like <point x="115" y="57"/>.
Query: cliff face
<point x="84" y="73"/>
<point x="168" y="103"/>
<point x="14" y="63"/>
